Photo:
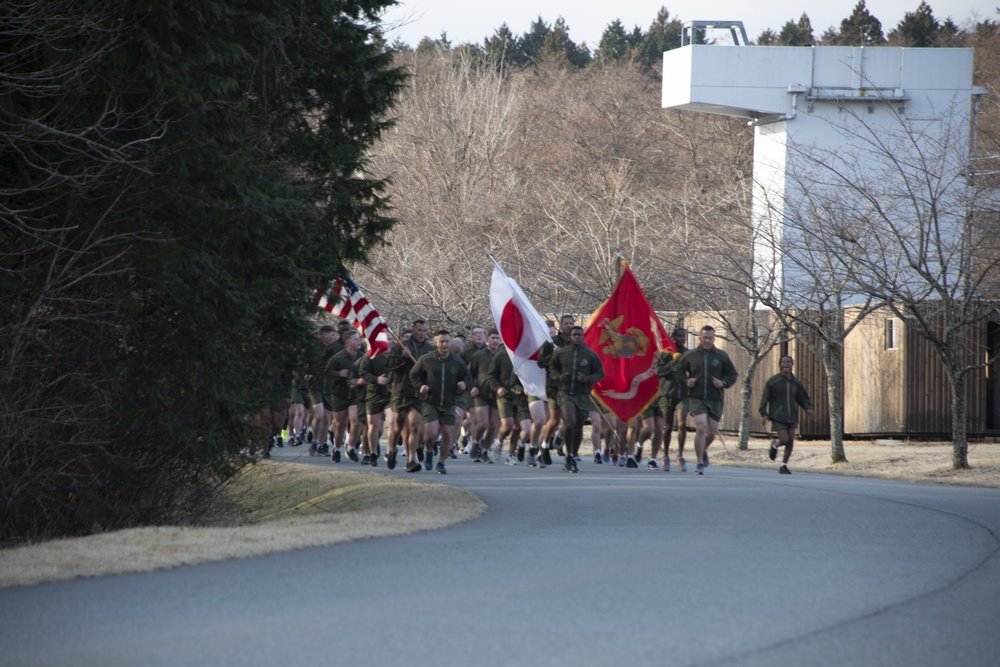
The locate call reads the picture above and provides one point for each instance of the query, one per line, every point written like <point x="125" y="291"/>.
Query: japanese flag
<point x="522" y="329"/>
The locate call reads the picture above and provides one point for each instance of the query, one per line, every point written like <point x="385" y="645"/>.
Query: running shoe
<point x="440" y="469"/>
<point x="420" y="453"/>
<point x="682" y="464"/>
<point x="666" y="465"/>
<point x="597" y="458"/>
<point x="323" y="449"/>
<point x="413" y="466"/>
<point x="335" y="457"/>
<point x="700" y="469"/>
<point x="532" y="458"/>
<point x="546" y="456"/>
<point x="704" y="458"/>
<point x="652" y="464"/>
<point x="520" y="452"/>
<point x="510" y="460"/>
<point x="352" y="454"/>
<point x="638" y="454"/>
<point x="428" y="460"/>
<point x="312" y="449"/>
<point x="568" y="464"/>
<point x="572" y="464"/>
<point x="784" y="470"/>
<point x="366" y="459"/>
<point x="630" y="463"/>
<point x="390" y="459"/>
<point x="772" y="451"/>
<point x="373" y="460"/>
<point x="606" y="458"/>
<point x="620" y="462"/>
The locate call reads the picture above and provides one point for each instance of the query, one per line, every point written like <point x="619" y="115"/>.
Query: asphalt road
<point x="606" y="567"/>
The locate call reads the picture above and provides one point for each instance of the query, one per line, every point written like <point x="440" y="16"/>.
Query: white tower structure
<point x="837" y="133"/>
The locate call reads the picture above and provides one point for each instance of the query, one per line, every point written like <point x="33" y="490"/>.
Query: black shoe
<point x="373" y="460"/>
<point x="413" y="466"/>
<point x="353" y="454"/>
<point x="390" y="461"/>
<point x="335" y="457"/>
<point x="772" y="452"/>
<point x="324" y="450"/>
<point x="572" y="463"/>
<point x="312" y="450"/>
<point x="704" y="459"/>
<point x="630" y="463"/>
<point x="638" y="454"/>
<point x="597" y="458"/>
<point x="568" y="464"/>
<point x="420" y="453"/>
<point x="559" y="451"/>
<point x="366" y="459"/>
<point x="784" y="470"/>
<point x="520" y="453"/>
<point x="453" y="455"/>
<point x="546" y="456"/>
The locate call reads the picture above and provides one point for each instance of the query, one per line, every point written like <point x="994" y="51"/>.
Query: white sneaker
<point x="510" y="460"/>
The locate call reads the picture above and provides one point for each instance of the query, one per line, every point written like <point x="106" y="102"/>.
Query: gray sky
<point x="474" y="20"/>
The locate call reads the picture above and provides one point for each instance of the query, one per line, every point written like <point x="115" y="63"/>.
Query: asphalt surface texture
<point x="608" y="566"/>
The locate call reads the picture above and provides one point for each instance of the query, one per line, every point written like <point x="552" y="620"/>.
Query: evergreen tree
<point x="558" y="45"/>
<point x="860" y="28"/>
<point x="918" y="28"/>
<point x="767" y="38"/>
<point x="225" y="186"/>
<point x="664" y="34"/>
<point x="502" y="48"/>
<point x="614" y="44"/>
<point x="798" y="33"/>
<point x="532" y="43"/>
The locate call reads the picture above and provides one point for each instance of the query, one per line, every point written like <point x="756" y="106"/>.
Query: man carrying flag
<point x="523" y="332"/>
<point x="350" y="304"/>
<point x="627" y="335"/>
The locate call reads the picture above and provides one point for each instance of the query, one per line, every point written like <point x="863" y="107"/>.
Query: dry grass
<point x="928" y="462"/>
<point x="285" y="506"/>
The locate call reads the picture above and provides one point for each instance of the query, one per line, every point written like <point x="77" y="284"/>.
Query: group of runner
<point x="442" y="396"/>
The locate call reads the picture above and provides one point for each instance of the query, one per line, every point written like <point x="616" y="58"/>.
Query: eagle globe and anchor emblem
<point x="629" y="344"/>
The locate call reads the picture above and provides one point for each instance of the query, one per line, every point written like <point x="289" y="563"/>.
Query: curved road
<point x="606" y="567"/>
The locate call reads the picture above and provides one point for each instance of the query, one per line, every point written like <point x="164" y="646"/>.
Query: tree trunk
<point x="959" y="421"/>
<point x="746" y="406"/>
<point x="834" y="369"/>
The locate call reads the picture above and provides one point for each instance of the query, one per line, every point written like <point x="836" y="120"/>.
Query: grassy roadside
<point x="280" y="506"/>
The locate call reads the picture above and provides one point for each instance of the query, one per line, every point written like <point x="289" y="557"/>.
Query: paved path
<point x="606" y="567"/>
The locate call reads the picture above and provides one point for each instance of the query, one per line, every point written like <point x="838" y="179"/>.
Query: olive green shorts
<point x="696" y="407"/>
<point x="781" y="426"/>
<point x="438" y="413"/>
<point x="400" y="403"/>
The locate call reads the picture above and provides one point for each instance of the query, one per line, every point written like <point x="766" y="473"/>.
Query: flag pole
<point x="604" y="418"/>
<point x="396" y="338"/>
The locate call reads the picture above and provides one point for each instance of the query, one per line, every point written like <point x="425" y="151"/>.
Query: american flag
<point x="347" y="302"/>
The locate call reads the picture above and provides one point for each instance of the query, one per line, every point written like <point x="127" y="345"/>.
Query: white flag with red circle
<point x="522" y="329"/>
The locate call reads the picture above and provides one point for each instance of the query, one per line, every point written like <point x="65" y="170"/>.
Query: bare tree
<point x="921" y="236"/>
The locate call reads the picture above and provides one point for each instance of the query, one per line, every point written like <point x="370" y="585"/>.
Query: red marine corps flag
<point x="627" y="335"/>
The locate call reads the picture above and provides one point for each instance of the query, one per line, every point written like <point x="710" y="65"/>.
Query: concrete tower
<point x="826" y="117"/>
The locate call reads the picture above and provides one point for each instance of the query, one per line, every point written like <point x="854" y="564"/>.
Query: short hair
<point x="442" y="332"/>
<point x="416" y="322"/>
<point x="549" y="323"/>
<point x="327" y="328"/>
<point x="786" y="356"/>
<point x="679" y="330"/>
<point x="344" y="324"/>
<point x="349" y="333"/>
<point x="575" y="327"/>
<point x="708" y="327"/>
<point x="492" y="332"/>
<point x="567" y="315"/>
